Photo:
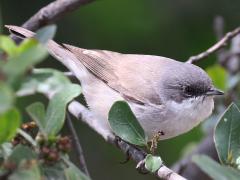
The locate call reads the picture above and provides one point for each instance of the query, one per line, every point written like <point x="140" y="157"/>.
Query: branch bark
<point x="220" y="44"/>
<point x="82" y="162"/>
<point x="53" y="12"/>
<point x="138" y="155"/>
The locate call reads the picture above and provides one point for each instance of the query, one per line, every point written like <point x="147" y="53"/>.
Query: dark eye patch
<point x="190" y="90"/>
<point x="194" y="90"/>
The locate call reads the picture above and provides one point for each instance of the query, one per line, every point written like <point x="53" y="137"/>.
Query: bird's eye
<point x="190" y="91"/>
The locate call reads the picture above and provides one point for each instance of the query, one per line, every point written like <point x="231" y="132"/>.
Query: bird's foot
<point x="128" y="149"/>
<point x="118" y="142"/>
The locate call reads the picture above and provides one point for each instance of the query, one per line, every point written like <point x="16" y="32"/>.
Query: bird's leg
<point x="154" y="141"/>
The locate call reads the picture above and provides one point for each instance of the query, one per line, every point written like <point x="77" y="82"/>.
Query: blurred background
<point x="175" y="29"/>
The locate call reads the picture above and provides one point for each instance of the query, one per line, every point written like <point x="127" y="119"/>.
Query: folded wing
<point x="135" y="77"/>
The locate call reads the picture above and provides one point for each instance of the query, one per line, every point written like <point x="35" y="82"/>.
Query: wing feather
<point x="133" y="76"/>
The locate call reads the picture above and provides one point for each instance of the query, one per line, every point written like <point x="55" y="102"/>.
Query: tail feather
<point x="20" y="32"/>
<point x="61" y="53"/>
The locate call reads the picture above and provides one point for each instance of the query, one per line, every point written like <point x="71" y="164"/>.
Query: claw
<point x="118" y="140"/>
<point x="127" y="147"/>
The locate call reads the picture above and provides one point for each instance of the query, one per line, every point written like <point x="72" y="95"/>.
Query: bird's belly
<point x="172" y="119"/>
<point x="100" y="98"/>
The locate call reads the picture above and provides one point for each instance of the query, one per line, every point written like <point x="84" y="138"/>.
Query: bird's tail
<point x="59" y="52"/>
<point x="20" y="32"/>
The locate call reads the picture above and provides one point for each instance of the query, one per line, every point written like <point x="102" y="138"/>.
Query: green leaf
<point x="9" y="122"/>
<point x="153" y="163"/>
<point x="16" y="66"/>
<point x="26" y="44"/>
<point x="73" y="173"/>
<point x="37" y="113"/>
<point x="55" y="171"/>
<point x="8" y="45"/>
<point x="56" y="110"/>
<point x="43" y="81"/>
<point x="227" y="134"/>
<point x="215" y="170"/>
<point x="27" y="171"/>
<point x="21" y="153"/>
<point x="46" y="33"/>
<point x="6" y="97"/>
<point x="218" y="76"/>
<point x="125" y="125"/>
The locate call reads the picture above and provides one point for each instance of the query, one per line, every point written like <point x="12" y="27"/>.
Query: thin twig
<point x="139" y="155"/>
<point x="220" y="44"/>
<point x="53" y="12"/>
<point x="27" y="137"/>
<point x="79" y="151"/>
<point x="50" y="14"/>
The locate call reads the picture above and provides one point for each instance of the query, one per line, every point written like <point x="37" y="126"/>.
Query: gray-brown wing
<point x="134" y="76"/>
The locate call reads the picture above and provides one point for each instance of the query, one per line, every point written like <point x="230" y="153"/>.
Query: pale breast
<point x="173" y="118"/>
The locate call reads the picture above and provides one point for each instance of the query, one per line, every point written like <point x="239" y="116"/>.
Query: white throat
<point x="188" y="114"/>
<point x="172" y="118"/>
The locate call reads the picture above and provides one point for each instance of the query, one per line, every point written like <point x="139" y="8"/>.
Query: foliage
<point x="227" y="142"/>
<point x="55" y="110"/>
<point x="227" y="134"/>
<point x="152" y="163"/>
<point x="125" y="125"/>
<point x="218" y="76"/>
<point x="35" y="149"/>
<point x="9" y="122"/>
<point x="215" y="170"/>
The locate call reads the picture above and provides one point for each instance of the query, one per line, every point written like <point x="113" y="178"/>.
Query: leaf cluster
<point x="227" y="142"/>
<point x="36" y="149"/>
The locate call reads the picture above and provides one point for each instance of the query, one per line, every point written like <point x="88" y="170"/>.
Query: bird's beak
<point x="214" y="91"/>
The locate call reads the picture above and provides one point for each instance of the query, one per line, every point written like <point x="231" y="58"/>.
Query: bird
<point x="166" y="95"/>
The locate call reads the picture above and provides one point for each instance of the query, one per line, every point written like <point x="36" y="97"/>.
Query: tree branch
<point x="138" y="155"/>
<point x="82" y="162"/>
<point x="52" y="12"/>
<point x="220" y="44"/>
